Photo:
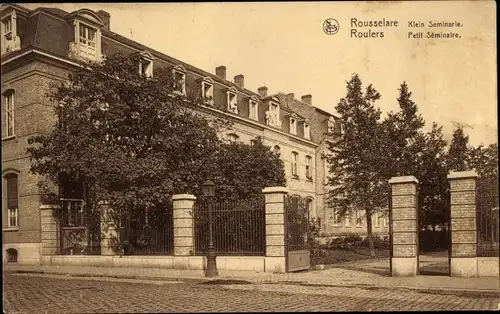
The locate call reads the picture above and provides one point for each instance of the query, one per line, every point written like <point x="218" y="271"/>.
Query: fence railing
<point x="238" y="227"/>
<point x="148" y="233"/>
<point x="487" y="220"/>
<point x="79" y="229"/>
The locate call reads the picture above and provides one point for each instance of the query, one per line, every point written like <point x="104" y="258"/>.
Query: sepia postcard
<point x="249" y="157"/>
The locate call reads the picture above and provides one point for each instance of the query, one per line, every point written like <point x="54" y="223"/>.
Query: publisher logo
<point x="331" y="26"/>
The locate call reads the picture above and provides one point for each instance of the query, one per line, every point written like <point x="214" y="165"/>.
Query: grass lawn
<point x="336" y="256"/>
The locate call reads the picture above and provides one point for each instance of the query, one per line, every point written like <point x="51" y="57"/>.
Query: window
<point x="12" y="200"/>
<point x="276" y="149"/>
<point x="9" y="113"/>
<point x="358" y="219"/>
<point x="347" y="221"/>
<point x="87" y="41"/>
<point x="179" y="82"/>
<point x="7" y="27"/>
<point x="295" y="157"/>
<point x="308" y="167"/>
<point x="146" y="67"/>
<point x="253" y="142"/>
<point x="273" y="115"/>
<point x="331" y="125"/>
<point x="377" y="219"/>
<point x="337" y="221"/>
<point x="233" y="137"/>
<point x="73" y="214"/>
<point x="207" y="92"/>
<point x="307" y="129"/>
<point x="254" y="109"/>
<point x="293" y="124"/>
<point x="232" y="100"/>
<point x="385" y="222"/>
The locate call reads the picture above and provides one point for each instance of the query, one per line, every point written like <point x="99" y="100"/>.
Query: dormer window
<point x="253" y="108"/>
<point x="293" y="124"/>
<point x="273" y="114"/>
<point x="146" y="64"/>
<point x="179" y="80"/>
<point x="87" y="41"/>
<point x="10" y="40"/>
<point x="331" y="125"/>
<point x="7" y="27"/>
<point x="307" y="129"/>
<point x="207" y="90"/>
<point x="232" y="100"/>
<point x="87" y="44"/>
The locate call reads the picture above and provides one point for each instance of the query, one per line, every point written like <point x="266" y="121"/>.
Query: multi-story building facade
<point x="41" y="46"/>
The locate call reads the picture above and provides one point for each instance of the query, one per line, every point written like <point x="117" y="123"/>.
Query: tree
<point x="134" y="141"/>
<point x="244" y="170"/>
<point x="458" y="152"/>
<point x="431" y="172"/>
<point x="485" y="161"/>
<point x="357" y="160"/>
<point x="404" y="135"/>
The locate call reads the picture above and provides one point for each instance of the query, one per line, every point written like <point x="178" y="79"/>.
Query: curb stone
<point x="224" y="281"/>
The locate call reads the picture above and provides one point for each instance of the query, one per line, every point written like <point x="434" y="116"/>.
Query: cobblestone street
<point x="41" y="293"/>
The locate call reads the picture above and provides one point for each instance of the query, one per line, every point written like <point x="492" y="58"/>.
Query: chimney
<point x="307" y="99"/>
<point x="105" y="17"/>
<point x="262" y="91"/>
<point x="239" y="80"/>
<point x="220" y="71"/>
<point x="290" y="97"/>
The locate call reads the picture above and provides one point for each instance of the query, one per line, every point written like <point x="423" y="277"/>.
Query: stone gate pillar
<point x="404" y="257"/>
<point x="463" y="223"/>
<point x="275" y="229"/>
<point x="49" y="230"/>
<point x="183" y="207"/>
<point x="109" y="234"/>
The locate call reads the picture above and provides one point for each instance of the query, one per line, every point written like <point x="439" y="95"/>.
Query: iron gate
<point x="297" y="253"/>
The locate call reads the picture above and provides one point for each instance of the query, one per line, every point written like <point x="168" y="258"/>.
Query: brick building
<point x="41" y="46"/>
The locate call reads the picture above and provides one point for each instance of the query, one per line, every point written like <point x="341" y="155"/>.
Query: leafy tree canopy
<point x="134" y="141"/>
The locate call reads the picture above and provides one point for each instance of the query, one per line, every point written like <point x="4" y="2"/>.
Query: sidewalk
<point x="335" y="276"/>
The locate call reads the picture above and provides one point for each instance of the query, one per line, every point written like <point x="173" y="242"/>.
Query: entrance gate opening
<point x="433" y="238"/>
<point x="297" y="254"/>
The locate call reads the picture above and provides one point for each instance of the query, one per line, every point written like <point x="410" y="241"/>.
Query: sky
<point x="283" y="46"/>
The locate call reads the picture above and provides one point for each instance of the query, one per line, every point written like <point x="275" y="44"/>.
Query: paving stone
<point x="39" y="293"/>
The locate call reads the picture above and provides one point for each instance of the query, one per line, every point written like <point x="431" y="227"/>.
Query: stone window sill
<point x="8" y="138"/>
<point x="295" y="177"/>
<point x="10" y="229"/>
<point x="309" y="180"/>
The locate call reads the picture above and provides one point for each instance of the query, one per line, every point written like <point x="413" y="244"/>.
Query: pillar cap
<point x="275" y="189"/>
<point x="406" y="179"/>
<point x="462" y="175"/>
<point x="178" y="197"/>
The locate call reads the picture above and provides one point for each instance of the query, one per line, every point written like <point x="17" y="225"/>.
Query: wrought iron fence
<point x="238" y="227"/>
<point x="80" y="229"/>
<point x="297" y="223"/>
<point x="148" y="233"/>
<point x="487" y="219"/>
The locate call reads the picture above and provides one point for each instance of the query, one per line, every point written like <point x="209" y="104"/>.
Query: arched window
<point x="11" y="255"/>
<point x="12" y="200"/>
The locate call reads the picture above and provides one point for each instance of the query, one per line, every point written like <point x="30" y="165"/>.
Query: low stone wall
<point x="247" y="263"/>
<point x="27" y="253"/>
<point x="488" y="266"/>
